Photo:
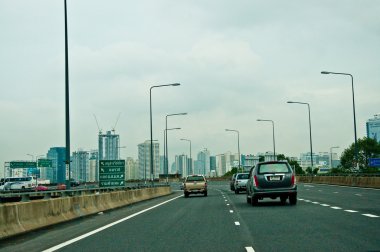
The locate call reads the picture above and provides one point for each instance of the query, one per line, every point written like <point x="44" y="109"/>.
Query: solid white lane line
<point x="237" y="223"/>
<point x="64" y="244"/>
<point x="351" y="211"/>
<point x="371" y="215"/>
<point x="335" y="207"/>
<point x="249" y="249"/>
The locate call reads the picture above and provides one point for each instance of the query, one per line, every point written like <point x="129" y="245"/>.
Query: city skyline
<point x="236" y="62"/>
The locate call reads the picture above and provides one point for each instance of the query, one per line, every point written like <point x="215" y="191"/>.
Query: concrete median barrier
<point x="20" y="217"/>
<point x="371" y="182"/>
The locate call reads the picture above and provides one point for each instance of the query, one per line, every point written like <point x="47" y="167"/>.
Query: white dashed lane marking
<point x="237" y="223"/>
<point x="231" y="211"/>
<point x="249" y="249"/>
<point x="339" y="208"/>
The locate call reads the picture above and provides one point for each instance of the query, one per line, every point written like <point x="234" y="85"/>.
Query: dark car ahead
<point x="232" y="182"/>
<point x="274" y="179"/>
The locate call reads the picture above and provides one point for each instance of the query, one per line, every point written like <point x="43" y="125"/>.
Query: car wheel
<point x="186" y="195"/>
<point x="236" y="191"/>
<point x="205" y="194"/>
<point x="248" y="200"/>
<point x="293" y="199"/>
<point x="283" y="200"/>
<point x="254" y="201"/>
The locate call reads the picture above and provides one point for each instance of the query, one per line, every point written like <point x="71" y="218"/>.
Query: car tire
<point x="293" y="199"/>
<point x="205" y="194"/>
<point x="254" y="201"/>
<point x="248" y="200"/>
<point x="186" y="195"/>
<point x="236" y="191"/>
<point x="283" y="200"/>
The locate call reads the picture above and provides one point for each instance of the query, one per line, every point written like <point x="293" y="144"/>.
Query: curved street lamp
<point x="311" y="143"/>
<point x="166" y="147"/>
<point x="274" y="143"/>
<point x="238" y="142"/>
<point x="166" y="157"/>
<point x="151" y="126"/>
<point x="353" y="107"/>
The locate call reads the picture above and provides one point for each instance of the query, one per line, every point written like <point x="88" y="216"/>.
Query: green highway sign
<point x="111" y="173"/>
<point x="22" y="164"/>
<point x="45" y="163"/>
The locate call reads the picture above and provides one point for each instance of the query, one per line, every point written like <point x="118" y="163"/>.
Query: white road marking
<point x="336" y="192"/>
<point x="325" y="205"/>
<point x="237" y="223"/>
<point x="319" y="190"/>
<point x="351" y="211"/>
<point x="231" y="211"/>
<point x="308" y="186"/>
<point x="307" y="200"/>
<point x="64" y="244"/>
<point x="371" y="215"/>
<point x="358" y="194"/>
<point x="315" y="202"/>
<point x="225" y="200"/>
<point x="249" y="249"/>
<point x="335" y="207"/>
<point x="300" y="199"/>
<point x="228" y="204"/>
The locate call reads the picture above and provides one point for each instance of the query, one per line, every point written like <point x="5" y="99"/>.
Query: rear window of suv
<point x="195" y="178"/>
<point x="242" y="176"/>
<point x="273" y="168"/>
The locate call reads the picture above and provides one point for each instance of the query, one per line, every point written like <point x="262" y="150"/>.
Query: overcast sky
<point x="237" y="61"/>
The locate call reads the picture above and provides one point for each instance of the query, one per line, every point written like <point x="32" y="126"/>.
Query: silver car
<point x="274" y="179"/>
<point x="241" y="180"/>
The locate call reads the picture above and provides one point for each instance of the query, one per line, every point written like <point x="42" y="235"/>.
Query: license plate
<point x="275" y="178"/>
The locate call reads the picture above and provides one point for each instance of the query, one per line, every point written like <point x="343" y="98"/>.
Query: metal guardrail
<point x="28" y="195"/>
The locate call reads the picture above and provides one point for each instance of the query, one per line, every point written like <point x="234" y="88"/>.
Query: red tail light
<point x="293" y="179"/>
<point x="255" y="181"/>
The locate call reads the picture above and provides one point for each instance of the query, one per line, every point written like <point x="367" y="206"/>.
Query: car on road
<point x="232" y="182"/>
<point x="241" y="182"/>
<point x="61" y="187"/>
<point x="274" y="179"/>
<point x="41" y="188"/>
<point x="195" y="184"/>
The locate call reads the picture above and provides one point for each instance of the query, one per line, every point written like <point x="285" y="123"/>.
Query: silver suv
<point x="241" y="180"/>
<point x="272" y="180"/>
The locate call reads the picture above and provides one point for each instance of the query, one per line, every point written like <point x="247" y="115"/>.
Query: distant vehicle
<point x="195" y="184"/>
<point x="61" y="187"/>
<point x="272" y="180"/>
<point x="41" y="188"/>
<point x="232" y="182"/>
<point x="19" y="183"/>
<point x="241" y="182"/>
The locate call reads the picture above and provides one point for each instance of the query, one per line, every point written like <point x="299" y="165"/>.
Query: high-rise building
<point x="203" y="162"/>
<point x="182" y="165"/>
<point x="144" y="160"/>
<point x="213" y="164"/>
<point x="80" y="166"/>
<point x="373" y="128"/>
<point x="57" y="173"/>
<point x="109" y="146"/>
<point x="131" y="169"/>
<point x="93" y="171"/>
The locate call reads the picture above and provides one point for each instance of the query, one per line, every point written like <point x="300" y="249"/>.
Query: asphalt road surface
<point x="326" y="218"/>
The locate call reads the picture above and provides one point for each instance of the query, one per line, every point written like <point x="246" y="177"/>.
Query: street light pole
<point x="151" y="126"/>
<point x="274" y="143"/>
<point x="353" y="107"/>
<point x="67" y="110"/>
<point x="166" y="157"/>
<point x="311" y="142"/>
<point x="237" y="142"/>
<point x="335" y="147"/>
<point x="191" y="162"/>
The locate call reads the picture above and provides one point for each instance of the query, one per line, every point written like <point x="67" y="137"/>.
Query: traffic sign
<point x="45" y="163"/>
<point x="22" y="164"/>
<point x="374" y="162"/>
<point x="111" y="173"/>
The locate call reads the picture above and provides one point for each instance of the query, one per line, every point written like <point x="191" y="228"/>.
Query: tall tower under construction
<point x="109" y="146"/>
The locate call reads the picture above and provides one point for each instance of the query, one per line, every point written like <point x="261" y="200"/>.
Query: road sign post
<point x="111" y="173"/>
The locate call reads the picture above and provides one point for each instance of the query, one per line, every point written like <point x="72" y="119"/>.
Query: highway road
<point x="326" y="218"/>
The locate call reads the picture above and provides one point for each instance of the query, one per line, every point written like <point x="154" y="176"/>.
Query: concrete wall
<point x="16" y="218"/>
<point x="373" y="182"/>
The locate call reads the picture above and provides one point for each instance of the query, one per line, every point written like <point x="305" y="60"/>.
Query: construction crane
<point x="96" y="120"/>
<point x="117" y="120"/>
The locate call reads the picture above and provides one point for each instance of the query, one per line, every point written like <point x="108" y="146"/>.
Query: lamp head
<point x="175" y="84"/>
